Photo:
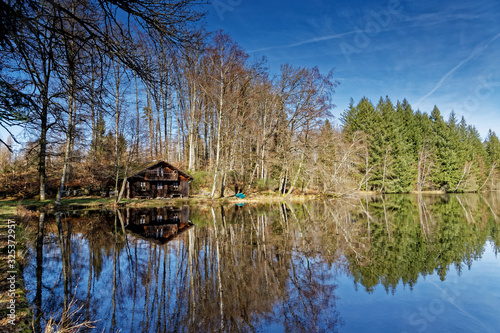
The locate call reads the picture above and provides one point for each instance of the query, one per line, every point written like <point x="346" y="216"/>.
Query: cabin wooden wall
<point x="184" y="188"/>
<point x="153" y="177"/>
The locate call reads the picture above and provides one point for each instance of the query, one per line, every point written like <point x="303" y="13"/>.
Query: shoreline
<point x="9" y="205"/>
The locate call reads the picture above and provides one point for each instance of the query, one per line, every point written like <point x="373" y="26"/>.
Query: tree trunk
<point x="218" y="147"/>
<point x="165" y="118"/>
<point x="492" y="168"/>
<point x="366" y="175"/>
<point x="138" y="119"/>
<point x="93" y="116"/>
<point x="117" y="123"/>
<point x="464" y="175"/>
<point x="149" y="114"/>
<point x="385" y="167"/>
<point x="39" y="273"/>
<point x="65" y="268"/>
<point x="159" y="146"/>
<point x="223" y="184"/>
<point x="191" y="127"/>
<point x="69" y="139"/>
<point x="419" y="175"/>
<point x="71" y="58"/>
<point x="296" y="176"/>
<point x="43" y="151"/>
<point x="219" y="272"/>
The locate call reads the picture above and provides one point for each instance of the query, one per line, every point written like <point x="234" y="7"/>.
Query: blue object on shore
<point x="240" y="196"/>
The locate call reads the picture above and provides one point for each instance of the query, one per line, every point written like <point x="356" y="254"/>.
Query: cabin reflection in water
<point x="161" y="224"/>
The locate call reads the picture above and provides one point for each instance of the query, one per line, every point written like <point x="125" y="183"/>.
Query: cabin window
<point x="160" y="186"/>
<point x="161" y="172"/>
<point x="143" y="219"/>
<point x="159" y="218"/>
<point x="158" y="172"/>
<point x="176" y="186"/>
<point x="143" y="186"/>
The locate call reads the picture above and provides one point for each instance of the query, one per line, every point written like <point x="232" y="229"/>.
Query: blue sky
<point x="443" y="53"/>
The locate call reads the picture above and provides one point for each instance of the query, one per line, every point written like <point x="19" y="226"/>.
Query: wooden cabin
<point x="156" y="216"/>
<point x="160" y="224"/>
<point x="159" y="180"/>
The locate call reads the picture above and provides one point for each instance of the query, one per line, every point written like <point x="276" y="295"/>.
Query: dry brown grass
<point x="70" y="322"/>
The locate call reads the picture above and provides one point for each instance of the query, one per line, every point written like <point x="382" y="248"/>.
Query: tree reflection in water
<point x="260" y="268"/>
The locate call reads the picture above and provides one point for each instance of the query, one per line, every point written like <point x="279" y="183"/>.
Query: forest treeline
<point x="408" y="150"/>
<point x="105" y="87"/>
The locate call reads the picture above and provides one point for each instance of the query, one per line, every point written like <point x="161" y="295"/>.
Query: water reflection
<point x="248" y="269"/>
<point x="160" y="224"/>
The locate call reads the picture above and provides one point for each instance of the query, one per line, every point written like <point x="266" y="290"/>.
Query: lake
<point x="394" y="263"/>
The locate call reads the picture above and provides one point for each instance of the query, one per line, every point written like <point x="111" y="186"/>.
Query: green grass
<point x="7" y="211"/>
<point x="87" y="201"/>
<point x="8" y="207"/>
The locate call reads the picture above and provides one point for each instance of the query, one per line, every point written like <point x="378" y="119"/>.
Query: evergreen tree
<point x="381" y="132"/>
<point x="348" y="119"/>
<point x="404" y="172"/>
<point x="446" y="142"/>
<point x="363" y="118"/>
<point x="478" y="155"/>
<point x="493" y="148"/>
<point x="493" y="160"/>
<point x="407" y="150"/>
<point x="425" y="151"/>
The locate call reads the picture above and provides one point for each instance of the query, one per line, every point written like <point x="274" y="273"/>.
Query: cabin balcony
<point x="155" y="175"/>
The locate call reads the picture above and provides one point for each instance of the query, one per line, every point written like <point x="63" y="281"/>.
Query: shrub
<point x="202" y="180"/>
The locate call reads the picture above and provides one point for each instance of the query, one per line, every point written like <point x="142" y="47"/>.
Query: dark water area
<point x="398" y="263"/>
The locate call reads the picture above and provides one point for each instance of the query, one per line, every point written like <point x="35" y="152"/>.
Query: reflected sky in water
<point x="401" y="263"/>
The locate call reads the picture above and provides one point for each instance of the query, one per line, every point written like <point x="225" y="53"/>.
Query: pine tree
<point x="446" y="142"/>
<point x="478" y="155"/>
<point x="472" y="157"/>
<point x="404" y="160"/>
<point x="407" y="150"/>
<point x="493" y="148"/>
<point x="363" y="118"/>
<point x="348" y="118"/>
<point x="379" y="130"/>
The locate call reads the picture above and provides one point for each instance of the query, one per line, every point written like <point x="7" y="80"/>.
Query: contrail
<point x="307" y="41"/>
<point x="477" y="51"/>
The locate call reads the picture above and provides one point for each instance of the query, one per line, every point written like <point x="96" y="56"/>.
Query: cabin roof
<point x="139" y="170"/>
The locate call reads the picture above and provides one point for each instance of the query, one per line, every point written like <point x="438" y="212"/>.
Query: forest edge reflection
<point x="252" y="267"/>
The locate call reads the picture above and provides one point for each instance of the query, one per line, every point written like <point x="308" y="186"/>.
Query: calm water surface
<point x="402" y="263"/>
